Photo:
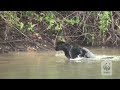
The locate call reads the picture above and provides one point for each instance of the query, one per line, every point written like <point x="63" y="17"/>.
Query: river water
<point x="48" y="65"/>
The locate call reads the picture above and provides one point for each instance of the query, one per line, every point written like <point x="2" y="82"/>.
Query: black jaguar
<point x="73" y="51"/>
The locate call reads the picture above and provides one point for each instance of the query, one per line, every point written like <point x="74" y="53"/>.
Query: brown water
<point x="46" y="65"/>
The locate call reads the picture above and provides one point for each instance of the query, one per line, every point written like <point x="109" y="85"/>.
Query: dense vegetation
<point x="22" y="30"/>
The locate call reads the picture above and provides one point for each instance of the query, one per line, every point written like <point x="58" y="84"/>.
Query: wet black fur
<point x="71" y="51"/>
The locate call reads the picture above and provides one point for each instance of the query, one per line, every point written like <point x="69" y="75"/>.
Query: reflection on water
<point x="46" y="65"/>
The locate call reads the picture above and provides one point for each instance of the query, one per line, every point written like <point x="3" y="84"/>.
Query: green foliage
<point x="72" y="21"/>
<point x="57" y="23"/>
<point x="39" y="18"/>
<point x="10" y="17"/>
<point x="30" y="26"/>
<point x="16" y="18"/>
<point x="104" y="21"/>
<point x="21" y="25"/>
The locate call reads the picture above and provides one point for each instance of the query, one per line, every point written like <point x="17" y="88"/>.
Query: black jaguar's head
<point x="60" y="45"/>
<point x="64" y="47"/>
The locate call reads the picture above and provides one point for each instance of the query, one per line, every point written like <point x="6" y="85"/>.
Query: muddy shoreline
<point x="23" y="46"/>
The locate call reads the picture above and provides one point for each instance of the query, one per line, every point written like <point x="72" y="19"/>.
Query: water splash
<point x="108" y="57"/>
<point x="97" y="58"/>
